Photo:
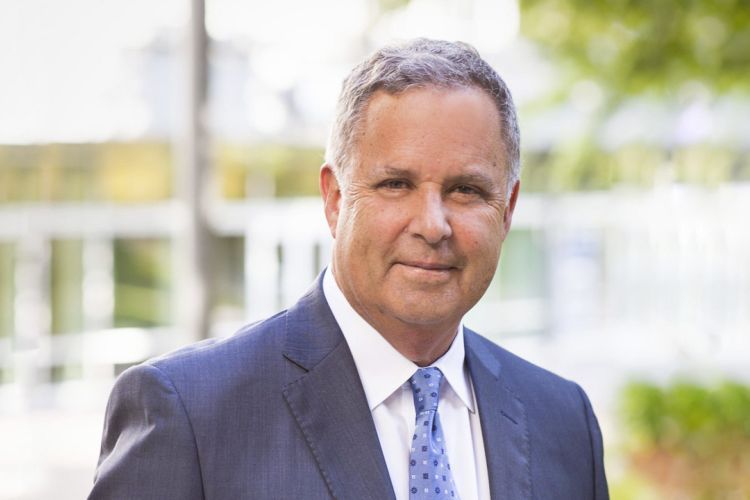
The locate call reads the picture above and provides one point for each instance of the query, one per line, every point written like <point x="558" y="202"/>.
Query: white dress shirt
<point x="385" y="372"/>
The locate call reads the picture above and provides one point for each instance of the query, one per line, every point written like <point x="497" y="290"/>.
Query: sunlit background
<point x="158" y="184"/>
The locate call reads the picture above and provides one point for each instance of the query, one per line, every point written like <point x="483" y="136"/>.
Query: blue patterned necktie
<point x="429" y="471"/>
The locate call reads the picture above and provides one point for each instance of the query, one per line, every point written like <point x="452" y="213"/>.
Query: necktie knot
<point x="425" y="386"/>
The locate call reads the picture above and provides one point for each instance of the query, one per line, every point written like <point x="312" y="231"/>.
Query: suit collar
<point x="327" y="401"/>
<point x="504" y="423"/>
<point x="326" y="398"/>
<point x="311" y="330"/>
<point x="371" y="351"/>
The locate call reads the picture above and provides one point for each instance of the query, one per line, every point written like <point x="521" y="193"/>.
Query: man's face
<point x="420" y="218"/>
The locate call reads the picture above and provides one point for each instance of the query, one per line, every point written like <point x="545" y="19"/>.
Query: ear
<point x="331" y="192"/>
<point x="511" y="206"/>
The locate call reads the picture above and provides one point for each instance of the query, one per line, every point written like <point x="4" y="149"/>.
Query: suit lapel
<point x="329" y="404"/>
<point x="504" y="424"/>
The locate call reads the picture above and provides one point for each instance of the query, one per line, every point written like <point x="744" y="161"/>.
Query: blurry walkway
<point x="49" y="453"/>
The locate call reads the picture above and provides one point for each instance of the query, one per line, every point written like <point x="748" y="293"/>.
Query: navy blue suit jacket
<point x="278" y="411"/>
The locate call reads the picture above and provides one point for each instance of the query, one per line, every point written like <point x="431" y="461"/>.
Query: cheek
<point x="382" y="221"/>
<point x="479" y="232"/>
<point x="362" y="228"/>
<point x="481" y="248"/>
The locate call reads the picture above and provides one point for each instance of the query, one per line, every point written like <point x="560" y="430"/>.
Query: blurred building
<point x="629" y="250"/>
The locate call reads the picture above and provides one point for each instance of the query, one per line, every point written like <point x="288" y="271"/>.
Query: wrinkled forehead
<point x="460" y="113"/>
<point x="441" y="133"/>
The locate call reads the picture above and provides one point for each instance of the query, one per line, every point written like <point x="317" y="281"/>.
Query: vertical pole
<point x="98" y="302"/>
<point x="98" y="283"/>
<point x="192" y="244"/>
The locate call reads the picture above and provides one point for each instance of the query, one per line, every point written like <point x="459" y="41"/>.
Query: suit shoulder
<point x="521" y="374"/>
<point x="251" y="343"/>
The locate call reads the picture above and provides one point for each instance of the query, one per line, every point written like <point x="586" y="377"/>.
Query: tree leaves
<point x="634" y="46"/>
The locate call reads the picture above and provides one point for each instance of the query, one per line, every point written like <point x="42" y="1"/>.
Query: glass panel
<point x="521" y="272"/>
<point x="524" y="272"/>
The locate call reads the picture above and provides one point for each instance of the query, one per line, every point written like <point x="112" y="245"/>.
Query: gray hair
<point x="417" y="64"/>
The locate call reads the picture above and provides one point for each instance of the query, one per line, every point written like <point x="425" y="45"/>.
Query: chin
<point x="425" y="314"/>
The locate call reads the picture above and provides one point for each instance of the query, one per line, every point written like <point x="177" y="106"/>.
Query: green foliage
<point x="669" y="51"/>
<point x="123" y="172"/>
<point x="295" y="169"/>
<point x="142" y="282"/>
<point x="683" y="412"/>
<point x="634" y="46"/>
<point x="690" y="439"/>
<point x="388" y="5"/>
<point x="267" y="170"/>
<point x="66" y="301"/>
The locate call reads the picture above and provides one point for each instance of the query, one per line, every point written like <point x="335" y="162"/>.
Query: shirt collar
<point x="372" y="352"/>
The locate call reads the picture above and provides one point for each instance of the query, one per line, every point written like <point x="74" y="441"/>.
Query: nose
<point x="430" y="219"/>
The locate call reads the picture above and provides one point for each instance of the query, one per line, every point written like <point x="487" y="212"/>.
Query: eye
<point x="467" y="190"/>
<point x="394" y="184"/>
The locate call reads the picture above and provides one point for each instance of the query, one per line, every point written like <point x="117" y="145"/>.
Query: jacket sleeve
<point x="148" y="447"/>
<point x="601" y="490"/>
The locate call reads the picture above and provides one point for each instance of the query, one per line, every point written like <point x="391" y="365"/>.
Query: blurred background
<point x="158" y="185"/>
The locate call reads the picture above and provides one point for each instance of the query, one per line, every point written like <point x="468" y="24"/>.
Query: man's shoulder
<point x="520" y="375"/>
<point x="248" y="350"/>
<point x="255" y="355"/>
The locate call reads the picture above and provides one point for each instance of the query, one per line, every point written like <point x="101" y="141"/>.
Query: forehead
<point x="436" y="126"/>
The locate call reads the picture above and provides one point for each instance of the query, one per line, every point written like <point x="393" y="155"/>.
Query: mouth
<point x="424" y="273"/>
<point x="436" y="267"/>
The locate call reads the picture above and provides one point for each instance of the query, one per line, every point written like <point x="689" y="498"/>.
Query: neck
<point x="422" y="344"/>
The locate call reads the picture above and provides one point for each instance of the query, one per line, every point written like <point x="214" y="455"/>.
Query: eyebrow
<point x="472" y="178"/>
<point x="392" y="171"/>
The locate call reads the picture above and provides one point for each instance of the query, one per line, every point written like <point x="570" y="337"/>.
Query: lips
<point x="428" y="266"/>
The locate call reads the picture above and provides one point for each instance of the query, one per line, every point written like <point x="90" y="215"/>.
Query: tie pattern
<point x="429" y="470"/>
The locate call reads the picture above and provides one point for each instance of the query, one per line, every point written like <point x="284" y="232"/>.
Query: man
<point x="370" y="387"/>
